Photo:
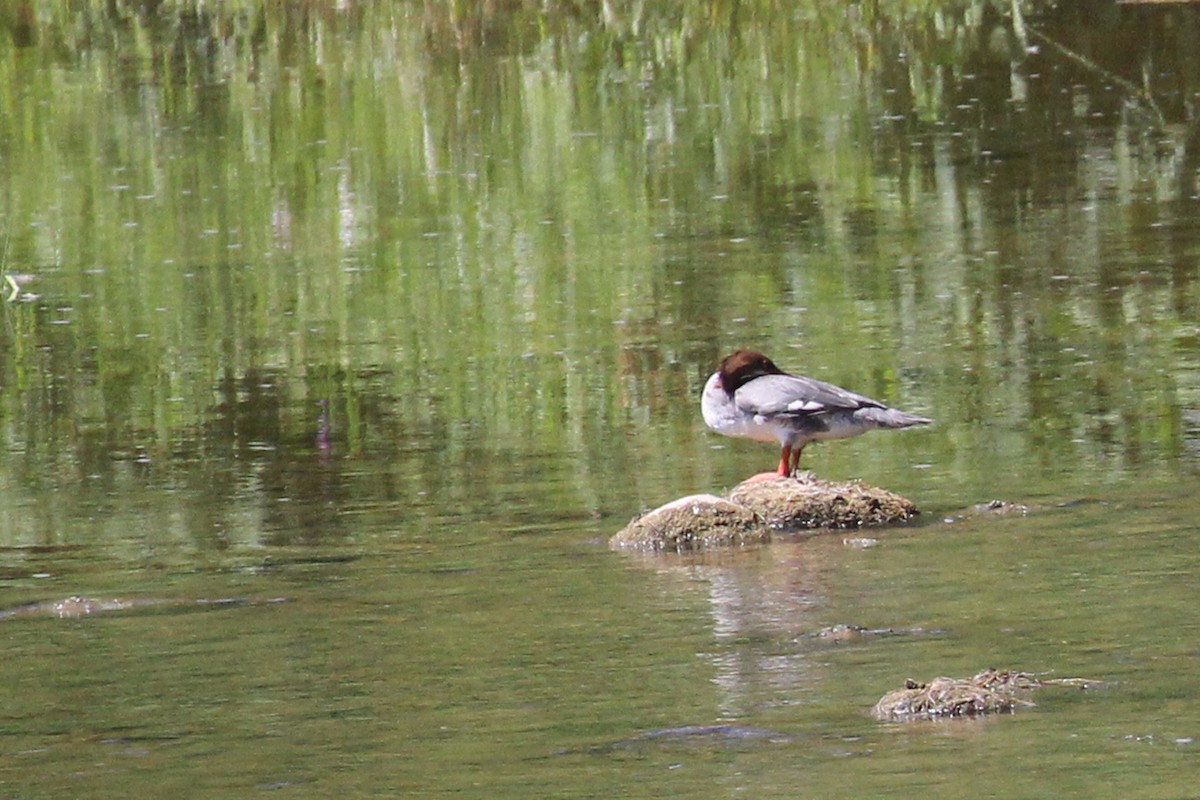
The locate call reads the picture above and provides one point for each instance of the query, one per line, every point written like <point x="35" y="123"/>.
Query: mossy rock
<point x="991" y="691"/>
<point x="757" y="507"/>
<point x="694" y="522"/>
<point x="809" y="502"/>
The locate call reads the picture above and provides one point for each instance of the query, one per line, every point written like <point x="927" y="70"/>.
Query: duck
<point x="749" y="397"/>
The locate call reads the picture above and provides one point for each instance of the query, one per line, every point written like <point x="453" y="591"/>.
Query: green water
<point x="381" y="317"/>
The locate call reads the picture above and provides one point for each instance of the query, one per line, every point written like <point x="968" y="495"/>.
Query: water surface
<point x="380" y="318"/>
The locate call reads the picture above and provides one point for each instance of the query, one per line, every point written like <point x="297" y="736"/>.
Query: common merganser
<point x="751" y="398"/>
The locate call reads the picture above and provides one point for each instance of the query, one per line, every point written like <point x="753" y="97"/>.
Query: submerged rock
<point x="717" y="733"/>
<point x="691" y="734"/>
<point x="995" y="508"/>
<point x="694" y="522"/>
<point x="756" y="507"/>
<point x="836" y="634"/>
<point x="989" y="692"/>
<point x="76" y="606"/>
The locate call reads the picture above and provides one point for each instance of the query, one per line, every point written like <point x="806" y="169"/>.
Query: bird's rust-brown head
<point x="742" y="366"/>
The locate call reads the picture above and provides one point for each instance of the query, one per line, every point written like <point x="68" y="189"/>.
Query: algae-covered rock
<point x="836" y="634"/>
<point x="757" y="506"/>
<point x="694" y="522"/>
<point x="989" y="692"/>
<point x="77" y="607"/>
<point x="809" y="502"/>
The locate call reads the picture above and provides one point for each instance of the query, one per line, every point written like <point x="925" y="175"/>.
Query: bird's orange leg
<point x="795" y="463"/>
<point x="785" y="461"/>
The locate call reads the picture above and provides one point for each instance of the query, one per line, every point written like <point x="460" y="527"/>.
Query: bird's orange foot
<point x="764" y="476"/>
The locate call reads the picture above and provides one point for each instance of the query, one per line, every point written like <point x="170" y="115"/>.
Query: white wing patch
<point x="805" y="406"/>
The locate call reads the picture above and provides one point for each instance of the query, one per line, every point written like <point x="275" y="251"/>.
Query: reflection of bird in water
<point x="751" y="398"/>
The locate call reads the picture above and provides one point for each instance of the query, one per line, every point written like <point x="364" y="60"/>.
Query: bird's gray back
<point x="797" y="396"/>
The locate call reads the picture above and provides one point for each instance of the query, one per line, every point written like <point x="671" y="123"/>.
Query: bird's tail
<point x="889" y="418"/>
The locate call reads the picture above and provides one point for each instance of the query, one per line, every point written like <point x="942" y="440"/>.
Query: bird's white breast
<point x="723" y="416"/>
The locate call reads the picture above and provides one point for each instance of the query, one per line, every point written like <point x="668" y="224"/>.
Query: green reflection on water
<point x="259" y="229"/>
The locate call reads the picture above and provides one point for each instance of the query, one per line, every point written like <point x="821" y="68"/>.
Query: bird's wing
<point x="796" y="396"/>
